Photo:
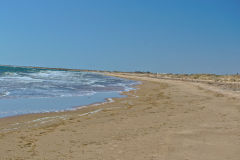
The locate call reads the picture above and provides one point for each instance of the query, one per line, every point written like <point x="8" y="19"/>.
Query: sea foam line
<point x="92" y="112"/>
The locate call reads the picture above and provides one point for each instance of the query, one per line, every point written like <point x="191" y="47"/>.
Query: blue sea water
<point x="32" y="90"/>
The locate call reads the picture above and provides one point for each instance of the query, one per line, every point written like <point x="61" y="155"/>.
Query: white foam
<point x="42" y="85"/>
<point x="5" y="93"/>
<point x="92" y="112"/>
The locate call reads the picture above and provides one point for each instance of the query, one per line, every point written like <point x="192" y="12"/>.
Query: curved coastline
<point x="9" y="123"/>
<point x="162" y="119"/>
<point x="39" y="90"/>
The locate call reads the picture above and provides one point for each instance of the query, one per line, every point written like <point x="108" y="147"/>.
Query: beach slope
<point x="161" y="120"/>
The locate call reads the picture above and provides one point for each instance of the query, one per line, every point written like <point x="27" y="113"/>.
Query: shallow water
<point x="29" y="90"/>
<point x="11" y="107"/>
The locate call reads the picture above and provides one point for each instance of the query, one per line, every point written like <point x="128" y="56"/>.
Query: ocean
<point x="25" y="90"/>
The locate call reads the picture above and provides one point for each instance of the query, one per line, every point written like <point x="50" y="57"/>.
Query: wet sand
<point x="162" y="120"/>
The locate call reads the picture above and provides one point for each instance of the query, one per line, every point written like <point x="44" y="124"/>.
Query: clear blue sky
<point x="179" y="36"/>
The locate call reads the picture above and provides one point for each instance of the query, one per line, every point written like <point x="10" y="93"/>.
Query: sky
<point x="165" y="36"/>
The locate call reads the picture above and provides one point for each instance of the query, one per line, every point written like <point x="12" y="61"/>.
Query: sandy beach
<point x="162" y="120"/>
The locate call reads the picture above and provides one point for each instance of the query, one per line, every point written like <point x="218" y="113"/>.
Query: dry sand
<point x="162" y="120"/>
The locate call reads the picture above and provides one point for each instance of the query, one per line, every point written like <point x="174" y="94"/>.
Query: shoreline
<point x="82" y="109"/>
<point x="162" y="119"/>
<point x="118" y="94"/>
<point x="98" y="98"/>
<point x="37" y="91"/>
